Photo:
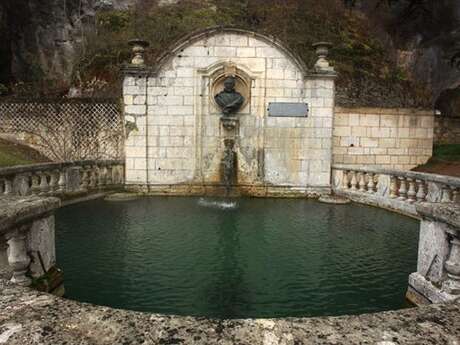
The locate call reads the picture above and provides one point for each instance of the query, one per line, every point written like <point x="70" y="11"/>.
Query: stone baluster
<point x="109" y="175"/>
<point x="402" y="188"/>
<point x="18" y="259"/>
<point x="116" y="174"/>
<point x="62" y="181"/>
<point x="35" y="187"/>
<point x="2" y="189"/>
<point x="452" y="266"/>
<point x="445" y="196"/>
<point x="421" y="192"/>
<point x="121" y="171"/>
<point x="411" y="193"/>
<point x="362" y="182"/>
<point x="54" y="174"/>
<point x="371" y="183"/>
<point x="3" y="252"/>
<point x="455" y="194"/>
<point x="84" y="179"/>
<point x="93" y="176"/>
<point x="354" y="181"/>
<point x="44" y="187"/>
<point x="345" y="182"/>
<point x="393" y="187"/>
<point x="101" y="176"/>
<point x="8" y="187"/>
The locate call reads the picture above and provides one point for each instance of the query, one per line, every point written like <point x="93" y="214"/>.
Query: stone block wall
<point x="179" y="138"/>
<point x="390" y="138"/>
<point x="447" y="130"/>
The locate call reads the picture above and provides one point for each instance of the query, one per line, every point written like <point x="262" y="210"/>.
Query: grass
<point x="447" y="152"/>
<point x="15" y="154"/>
<point x="445" y="161"/>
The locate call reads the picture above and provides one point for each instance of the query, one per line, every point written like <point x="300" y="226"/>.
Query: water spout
<point x="228" y="164"/>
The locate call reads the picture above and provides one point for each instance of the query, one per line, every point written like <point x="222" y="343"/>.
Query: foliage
<point x="366" y="71"/>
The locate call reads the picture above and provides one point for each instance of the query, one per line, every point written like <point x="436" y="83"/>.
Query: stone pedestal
<point x="437" y="279"/>
<point x="18" y="258"/>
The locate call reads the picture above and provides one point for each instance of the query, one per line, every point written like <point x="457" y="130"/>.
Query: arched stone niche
<point x="179" y="138"/>
<point x="243" y="84"/>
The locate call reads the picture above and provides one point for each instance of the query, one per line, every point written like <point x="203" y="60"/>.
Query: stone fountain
<point x="230" y="102"/>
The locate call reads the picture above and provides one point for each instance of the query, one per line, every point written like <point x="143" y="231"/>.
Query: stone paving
<point x="29" y="317"/>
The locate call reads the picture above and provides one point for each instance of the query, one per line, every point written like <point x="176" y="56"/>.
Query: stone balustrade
<point x="55" y="179"/>
<point x="27" y="248"/>
<point x="395" y="189"/>
<point x="437" y="278"/>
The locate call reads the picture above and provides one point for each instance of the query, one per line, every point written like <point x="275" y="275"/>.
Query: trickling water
<point x="228" y="164"/>
<point x="261" y="258"/>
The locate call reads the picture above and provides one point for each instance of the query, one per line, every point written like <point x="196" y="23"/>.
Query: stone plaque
<point x="286" y="109"/>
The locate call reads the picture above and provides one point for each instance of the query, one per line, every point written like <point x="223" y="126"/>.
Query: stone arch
<point x="196" y="36"/>
<point x="181" y="137"/>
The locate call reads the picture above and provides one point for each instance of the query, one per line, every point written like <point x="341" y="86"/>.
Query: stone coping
<point x="445" y="213"/>
<point x="17" y="210"/>
<point x="447" y="180"/>
<point x="382" y="110"/>
<point x="30" y="317"/>
<point x="18" y="169"/>
<point x="189" y="39"/>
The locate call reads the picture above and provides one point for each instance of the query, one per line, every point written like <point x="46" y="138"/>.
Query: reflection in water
<point x="250" y="258"/>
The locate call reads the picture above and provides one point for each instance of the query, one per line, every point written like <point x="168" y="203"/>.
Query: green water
<point x="262" y="258"/>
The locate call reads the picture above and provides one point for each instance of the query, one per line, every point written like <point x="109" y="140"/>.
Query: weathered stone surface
<point x="334" y="199"/>
<point x="390" y="138"/>
<point x="29" y="317"/>
<point x="446" y="213"/>
<point x="447" y="130"/>
<point x="16" y="210"/>
<point x="121" y="197"/>
<point x="180" y="139"/>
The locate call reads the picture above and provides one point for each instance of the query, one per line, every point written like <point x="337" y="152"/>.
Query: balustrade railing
<point x="61" y="178"/>
<point x="405" y="186"/>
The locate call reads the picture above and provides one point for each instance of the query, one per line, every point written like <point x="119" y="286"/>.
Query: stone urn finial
<point x="322" y="51"/>
<point x="138" y="48"/>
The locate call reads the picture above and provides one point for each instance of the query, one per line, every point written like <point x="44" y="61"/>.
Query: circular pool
<point x="244" y="258"/>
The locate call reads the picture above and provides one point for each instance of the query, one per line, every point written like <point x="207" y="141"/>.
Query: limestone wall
<point x="390" y="138"/>
<point x="179" y="137"/>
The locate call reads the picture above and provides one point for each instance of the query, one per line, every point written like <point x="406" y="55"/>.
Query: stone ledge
<point x="16" y="210"/>
<point x="383" y="111"/>
<point x="380" y="201"/>
<point x="30" y="317"/>
<point x="446" y="213"/>
<point x="255" y="190"/>
<point x="421" y="288"/>
<point x="19" y="169"/>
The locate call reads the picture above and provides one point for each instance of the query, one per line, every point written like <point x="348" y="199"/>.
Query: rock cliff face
<point x="431" y="53"/>
<point x="44" y="37"/>
<point x="426" y="36"/>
